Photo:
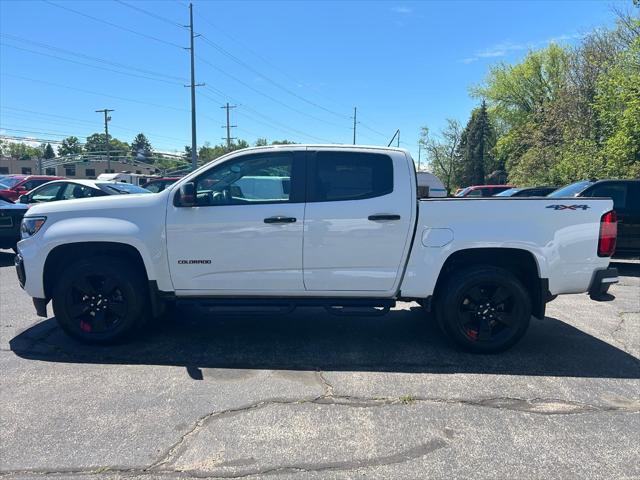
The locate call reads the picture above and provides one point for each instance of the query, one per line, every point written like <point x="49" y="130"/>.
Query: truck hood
<point x="103" y="205"/>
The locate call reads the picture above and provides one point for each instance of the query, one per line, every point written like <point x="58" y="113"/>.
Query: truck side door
<point x="236" y="240"/>
<point x="358" y="220"/>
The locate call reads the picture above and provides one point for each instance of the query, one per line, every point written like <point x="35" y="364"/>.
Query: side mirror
<point x="187" y="195"/>
<point x="24" y="199"/>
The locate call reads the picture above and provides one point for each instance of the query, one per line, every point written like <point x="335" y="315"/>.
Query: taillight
<point x="608" y="234"/>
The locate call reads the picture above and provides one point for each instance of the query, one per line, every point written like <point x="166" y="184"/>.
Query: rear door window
<point x="47" y="193"/>
<point x="75" y="190"/>
<point x="342" y="176"/>
<point x="615" y="191"/>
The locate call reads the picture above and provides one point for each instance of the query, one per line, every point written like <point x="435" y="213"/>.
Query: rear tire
<point x="483" y="309"/>
<point x="100" y="300"/>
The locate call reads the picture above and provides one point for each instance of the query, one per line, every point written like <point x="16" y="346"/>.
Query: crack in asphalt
<point x="618" y="328"/>
<point x="328" y="388"/>
<point x="534" y="406"/>
<point x="161" y="466"/>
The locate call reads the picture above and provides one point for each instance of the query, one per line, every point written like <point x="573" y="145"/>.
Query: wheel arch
<point x="62" y="254"/>
<point x="520" y="262"/>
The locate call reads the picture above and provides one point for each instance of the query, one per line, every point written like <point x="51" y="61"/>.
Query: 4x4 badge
<point x="568" y="207"/>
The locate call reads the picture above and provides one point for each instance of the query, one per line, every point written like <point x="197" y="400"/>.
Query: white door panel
<point x="245" y="252"/>
<point x="346" y="251"/>
<point x="243" y="235"/>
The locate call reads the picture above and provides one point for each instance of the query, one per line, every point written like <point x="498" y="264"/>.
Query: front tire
<point x="483" y="309"/>
<point x="100" y="300"/>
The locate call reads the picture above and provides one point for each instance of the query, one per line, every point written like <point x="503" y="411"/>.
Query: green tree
<point x="96" y="143"/>
<point x="442" y="152"/>
<point x="48" y="152"/>
<point x="261" y="142"/>
<point x="141" y="148"/>
<point x="282" y="142"/>
<point x="475" y="149"/>
<point x="22" y="151"/>
<point x="618" y="106"/>
<point x="70" y="146"/>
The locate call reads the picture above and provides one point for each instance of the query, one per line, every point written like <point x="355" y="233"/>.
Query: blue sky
<point x="295" y="70"/>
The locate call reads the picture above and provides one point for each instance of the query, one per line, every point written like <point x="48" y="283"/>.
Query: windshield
<point x="122" y="188"/>
<point x="9" y="182"/>
<point x="508" y="192"/>
<point x="571" y="190"/>
<point x="462" y="193"/>
<point x="4" y="203"/>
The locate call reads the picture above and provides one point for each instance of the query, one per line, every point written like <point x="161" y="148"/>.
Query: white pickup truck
<point x="303" y="225"/>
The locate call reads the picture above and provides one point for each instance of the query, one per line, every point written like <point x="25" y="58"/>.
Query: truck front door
<point x="243" y="236"/>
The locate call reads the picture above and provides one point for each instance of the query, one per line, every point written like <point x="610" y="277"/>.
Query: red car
<point x="156" y="185"/>
<point x="13" y="186"/>
<point x="482" y="190"/>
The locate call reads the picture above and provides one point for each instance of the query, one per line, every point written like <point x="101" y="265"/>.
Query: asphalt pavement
<point x="311" y="395"/>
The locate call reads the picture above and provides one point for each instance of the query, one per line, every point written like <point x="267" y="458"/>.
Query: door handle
<point x="383" y="216"/>
<point x="279" y="219"/>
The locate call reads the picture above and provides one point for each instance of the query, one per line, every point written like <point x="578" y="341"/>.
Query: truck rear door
<point x="359" y="217"/>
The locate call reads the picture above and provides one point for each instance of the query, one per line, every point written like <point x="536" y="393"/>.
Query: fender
<point x="78" y="230"/>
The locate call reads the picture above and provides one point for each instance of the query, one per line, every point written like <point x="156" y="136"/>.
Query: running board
<point x="283" y="305"/>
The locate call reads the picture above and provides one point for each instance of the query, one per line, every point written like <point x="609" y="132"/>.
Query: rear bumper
<point x="601" y="281"/>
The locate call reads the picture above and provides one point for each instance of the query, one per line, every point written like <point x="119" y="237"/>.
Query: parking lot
<point x="310" y="395"/>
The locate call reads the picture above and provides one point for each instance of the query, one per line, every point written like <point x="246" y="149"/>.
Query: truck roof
<point x="304" y="146"/>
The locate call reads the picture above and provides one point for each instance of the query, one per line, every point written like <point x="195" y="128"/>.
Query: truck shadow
<point x="311" y="339"/>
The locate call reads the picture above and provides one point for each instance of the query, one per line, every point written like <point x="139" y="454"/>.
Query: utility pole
<point x="229" y="126"/>
<point x="397" y="134"/>
<point x="107" y="119"/>
<point x="194" y="145"/>
<point x="355" y="116"/>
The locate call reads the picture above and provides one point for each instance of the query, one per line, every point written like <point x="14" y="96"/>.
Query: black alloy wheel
<point x="484" y="309"/>
<point x="100" y="300"/>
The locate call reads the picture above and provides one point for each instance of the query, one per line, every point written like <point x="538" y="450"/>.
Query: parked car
<point x="626" y="202"/>
<point x="157" y="185"/>
<point x="126" y="177"/>
<point x="13" y="186"/>
<point x="10" y="217"/>
<point x="74" y="189"/>
<point x="526" y="192"/>
<point x="482" y="190"/>
<point x="347" y="234"/>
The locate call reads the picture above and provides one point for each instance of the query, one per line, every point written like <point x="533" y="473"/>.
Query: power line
<point x="89" y="65"/>
<point x="385" y="135"/>
<point x="90" y="57"/>
<point x="266" y="95"/>
<point x="270" y="80"/>
<point x="270" y="122"/>
<point x="151" y="14"/>
<point x="86" y="122"/>
<point x="142" y="102"/>
<point x="114" y="25"/>
<point x="264" y="59"/>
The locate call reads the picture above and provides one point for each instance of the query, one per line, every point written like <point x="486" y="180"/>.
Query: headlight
<point x="31" y="225"/>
